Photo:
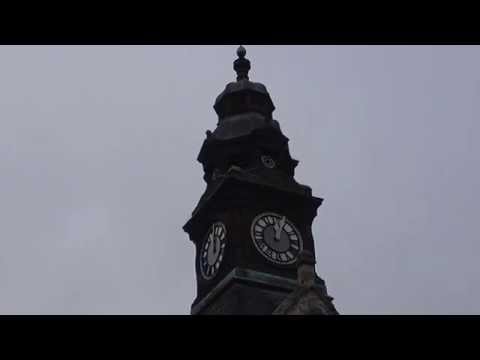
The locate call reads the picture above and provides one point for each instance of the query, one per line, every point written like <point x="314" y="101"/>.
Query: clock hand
<point x="275" y="228"/>
<point x="279" y="228"/>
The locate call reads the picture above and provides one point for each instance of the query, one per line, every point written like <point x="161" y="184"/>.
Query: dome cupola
<point x="243" y="105"/>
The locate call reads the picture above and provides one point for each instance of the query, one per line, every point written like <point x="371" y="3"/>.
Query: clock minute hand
<point x="279" y="228"/>
<point x="275" y="228"/>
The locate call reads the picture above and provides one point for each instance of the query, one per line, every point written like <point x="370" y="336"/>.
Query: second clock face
<point x="276" y="238"/>
<point x="212" y="250"/>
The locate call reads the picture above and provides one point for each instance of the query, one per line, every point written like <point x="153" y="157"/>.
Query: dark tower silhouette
<point x="252" y="226"/>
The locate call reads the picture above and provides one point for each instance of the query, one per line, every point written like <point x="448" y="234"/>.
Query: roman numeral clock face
<point x="212" y="250"/>
<point x="276" y="238"/>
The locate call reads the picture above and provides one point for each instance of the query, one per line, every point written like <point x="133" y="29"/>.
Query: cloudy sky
<point x="98" y="172"/>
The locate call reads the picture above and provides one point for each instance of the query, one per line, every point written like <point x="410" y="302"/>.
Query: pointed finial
<point x="306" y="268"/>
<point x="241" y="65"/>
<point x="241" y="52"/>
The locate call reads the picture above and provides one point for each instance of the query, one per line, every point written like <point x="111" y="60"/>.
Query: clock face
<point x="212" y="250"/>
<point x="268" y="161"/>
<point x="276" y="238"/>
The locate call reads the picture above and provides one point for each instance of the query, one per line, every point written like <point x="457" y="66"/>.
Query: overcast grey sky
<point x="98" y="172"/>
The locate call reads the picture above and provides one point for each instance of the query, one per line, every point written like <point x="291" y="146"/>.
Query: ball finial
<point x="241" y="52"/>
<point x="241" y="65"/>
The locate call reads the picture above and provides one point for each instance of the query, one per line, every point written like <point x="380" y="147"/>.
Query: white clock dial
<point x="212" y="251"/>
<point x="276" y="238"/>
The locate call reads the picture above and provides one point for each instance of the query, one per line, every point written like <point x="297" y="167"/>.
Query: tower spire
<point x="252" y="226"/>
<point x="242" y="64"/>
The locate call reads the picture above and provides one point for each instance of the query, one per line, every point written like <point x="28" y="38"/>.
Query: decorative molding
<point x="245" y="276"/>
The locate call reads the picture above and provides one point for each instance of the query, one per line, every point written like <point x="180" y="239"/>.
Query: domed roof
<point x="243" y="96"/>
<point x="242" y="85"/>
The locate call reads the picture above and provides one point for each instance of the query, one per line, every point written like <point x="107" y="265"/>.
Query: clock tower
<point x="251" y="228"/>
